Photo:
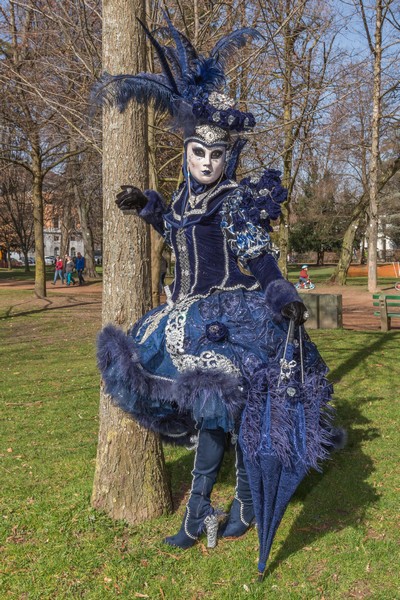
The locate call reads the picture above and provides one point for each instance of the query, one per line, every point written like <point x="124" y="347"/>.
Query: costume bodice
<point x="204" y="259"/>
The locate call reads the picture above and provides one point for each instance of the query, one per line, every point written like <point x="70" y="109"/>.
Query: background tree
<point x="293" y="82"/>
<point x="36" y="137"/>
<point x="16" y="211"/>
<point x="320" y="215"/>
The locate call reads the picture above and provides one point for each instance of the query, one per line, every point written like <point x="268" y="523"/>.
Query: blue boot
<point x="199" y="514"/>
<point x="241" y="515"/>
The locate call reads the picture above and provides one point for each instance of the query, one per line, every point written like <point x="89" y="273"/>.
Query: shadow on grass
<point x="339" y="497"/>
<point x="48" y="307"/>
<point x="357" y="357"/>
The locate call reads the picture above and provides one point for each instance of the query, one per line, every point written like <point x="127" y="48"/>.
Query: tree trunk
<point x="37" y="201"/>
<point x="288" y="150"/>
<point x="363" y="253"/>
<point x="130" y="481"/>
<point x="65" y="226"/>
<point x="374" y="162"/>
<point x="157" y="245"/>
<point x="87" y="234"/>
<point x="156" y="241"/>
<point x="340" y="273"/>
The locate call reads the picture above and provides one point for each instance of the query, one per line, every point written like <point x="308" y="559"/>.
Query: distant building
<point x="52" y="236"/>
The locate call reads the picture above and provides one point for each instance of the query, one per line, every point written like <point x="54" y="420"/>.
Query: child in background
<point x="69" y="269"/>
<point x="303" y="277"/>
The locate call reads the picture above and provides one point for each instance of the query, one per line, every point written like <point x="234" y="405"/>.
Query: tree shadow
<point x="359" y="356"/>
<point x="10" y="315"/>
<point x="338" y="497"/>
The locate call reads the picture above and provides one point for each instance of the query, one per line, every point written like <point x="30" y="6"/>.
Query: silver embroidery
<point x="202" y="209"/>
<point x="152" y="322"/>
<point x="183" y="260"/>
<point x="175" y="344"/>
<point x="226" y="258"/>
<point x="196" y="260"/>
<point x="220" y="101"/>
<point x="212" y="134"/>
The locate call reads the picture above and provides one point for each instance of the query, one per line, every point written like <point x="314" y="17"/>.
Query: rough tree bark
<point x="130" y="480"/>
<point x="289" y="41"/>
<point x="156" y="240"/>
<point x="37" y="201"/>
<point x="374" y="162"/>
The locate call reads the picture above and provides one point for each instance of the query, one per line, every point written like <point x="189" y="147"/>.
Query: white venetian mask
<point x="205" y="164"/>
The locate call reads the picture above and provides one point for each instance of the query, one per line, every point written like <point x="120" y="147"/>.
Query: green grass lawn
<point x="339" y="536"/>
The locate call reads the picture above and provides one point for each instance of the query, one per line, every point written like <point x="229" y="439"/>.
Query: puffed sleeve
<point x="154" y="211"/>
<point x="245" y="222"/>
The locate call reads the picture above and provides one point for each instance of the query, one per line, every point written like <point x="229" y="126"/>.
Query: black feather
<point x="224" y="48"/>
<point x="171" y="55"/>
<point x="186" y="51"/>
<point x="207" y="74"/>
<point x="118" y="90"/>
<point x="162" y="58"/>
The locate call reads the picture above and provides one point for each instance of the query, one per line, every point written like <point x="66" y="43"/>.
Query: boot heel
<point x="211" y="524"/>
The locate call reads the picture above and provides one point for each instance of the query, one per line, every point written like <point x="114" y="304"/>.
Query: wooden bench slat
<point x="395" y="304"/>
<point x="385" y="302"/>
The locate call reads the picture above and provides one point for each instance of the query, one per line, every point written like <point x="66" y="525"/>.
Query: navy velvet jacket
<point x="213" y="240"/>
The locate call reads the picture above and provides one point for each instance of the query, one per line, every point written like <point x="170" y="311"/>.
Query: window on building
<point x="73" y="251"/>
<point x="56" y="238"/>
<point x="72" y="238"/>
<point x="56" y="251"/>
<point x="56" y="222"/>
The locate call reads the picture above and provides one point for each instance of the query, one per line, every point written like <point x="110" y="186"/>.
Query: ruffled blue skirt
<point x="199" y="363"/>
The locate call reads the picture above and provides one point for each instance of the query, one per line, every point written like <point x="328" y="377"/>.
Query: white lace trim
<point x="175" y="344"/>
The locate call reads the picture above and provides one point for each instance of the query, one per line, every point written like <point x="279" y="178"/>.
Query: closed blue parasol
<point x="285" y="430"/>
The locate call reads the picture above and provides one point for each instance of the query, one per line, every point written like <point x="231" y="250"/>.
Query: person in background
<point x="303" y="276"/>
<point x="79" y="266"/>
<point x="59" y="270"/>
<point x="69" y="269"/>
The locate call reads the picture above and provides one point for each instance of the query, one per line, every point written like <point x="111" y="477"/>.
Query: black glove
<point x="130" y="199"/>
<point x="297" y="311"/>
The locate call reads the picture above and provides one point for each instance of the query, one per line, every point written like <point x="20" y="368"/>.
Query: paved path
<point x="357" y="302"/>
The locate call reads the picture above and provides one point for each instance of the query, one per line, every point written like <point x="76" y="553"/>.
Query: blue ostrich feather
<point x="118" y="90"/>
<point x="225" y="47"/>
<point x="162" y="58"/>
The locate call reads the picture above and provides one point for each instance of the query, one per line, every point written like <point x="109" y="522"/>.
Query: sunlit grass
<point x="338" y="539"/>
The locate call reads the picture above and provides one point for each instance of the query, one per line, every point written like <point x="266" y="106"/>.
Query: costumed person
<point x="215" y="358"/>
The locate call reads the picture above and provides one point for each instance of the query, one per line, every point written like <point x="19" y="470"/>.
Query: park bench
<point x="389" y="308"/>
